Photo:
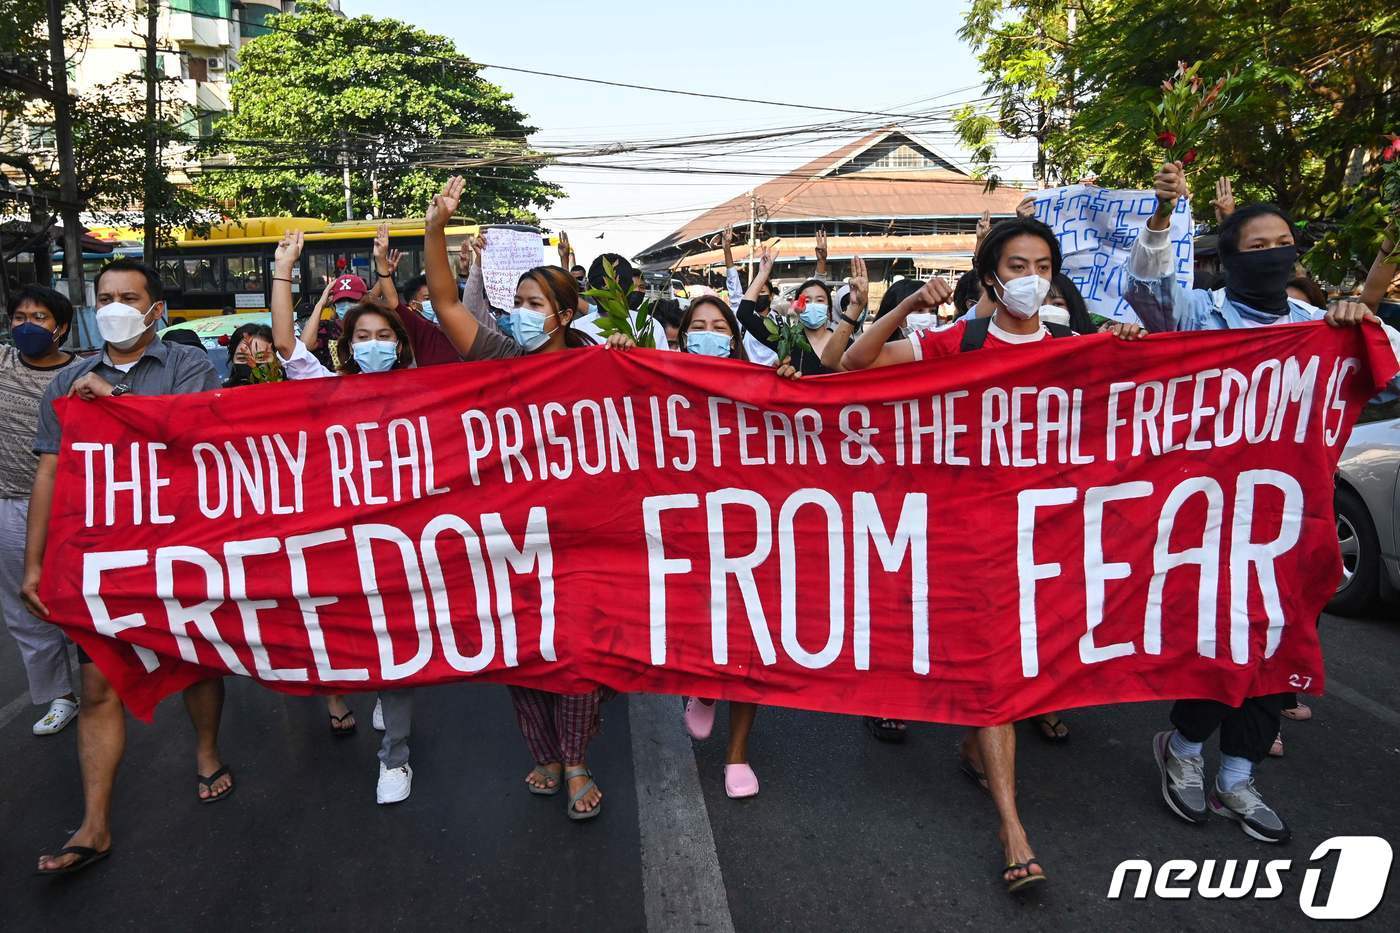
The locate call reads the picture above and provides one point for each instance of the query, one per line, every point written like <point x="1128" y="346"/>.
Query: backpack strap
<point x="975" y="334"/>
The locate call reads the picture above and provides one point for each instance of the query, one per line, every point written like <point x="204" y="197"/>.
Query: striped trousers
<point x="556" y="726"/>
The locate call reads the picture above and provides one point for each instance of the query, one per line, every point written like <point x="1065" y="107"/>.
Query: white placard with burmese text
<point x="509" y="254"/>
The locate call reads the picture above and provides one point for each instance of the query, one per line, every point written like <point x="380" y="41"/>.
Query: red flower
<point x="1393" y="150"/>
<point x="1166" y="139"/>
<point x="800" y="303"/>
<point x="223" y="339"/>
<point x="1189" y="157"/>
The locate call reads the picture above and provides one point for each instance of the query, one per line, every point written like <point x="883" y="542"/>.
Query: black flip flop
<point x="85" y="856"/>
<point x="973" y="775"/>
<point x="1049" y="726"/>
<point x="884" y="729"/>
<point x="1016" y="884"/>
<point x="209" y="783"/>
<point x="340" y="720"/>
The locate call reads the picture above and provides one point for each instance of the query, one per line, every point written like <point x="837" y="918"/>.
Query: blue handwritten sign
<point x="1096" y="228"/>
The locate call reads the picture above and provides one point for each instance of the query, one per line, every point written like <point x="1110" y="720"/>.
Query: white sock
<point x="1233" y="772"/>
<point x="1180" y="748"/>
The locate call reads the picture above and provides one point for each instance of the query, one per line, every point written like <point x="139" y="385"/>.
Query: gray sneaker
<point x="1183" y="780"/>
<point x="1246" y="807"/>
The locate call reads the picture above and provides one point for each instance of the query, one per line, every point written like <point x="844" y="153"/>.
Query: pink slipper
<point x="1300" y="713"/>
<point x="699" y="718"/>
<point x="740" y="781"/>
<point x="1276" y="750"/>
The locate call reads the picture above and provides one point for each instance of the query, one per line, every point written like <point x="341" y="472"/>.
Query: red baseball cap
<point x="348" y="286"/>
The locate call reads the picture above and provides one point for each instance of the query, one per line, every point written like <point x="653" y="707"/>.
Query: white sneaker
<point x="61" y="713"/>
<point x="377" y="720"/>
<point x="394" y="784"/>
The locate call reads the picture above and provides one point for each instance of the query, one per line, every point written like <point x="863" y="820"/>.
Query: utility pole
<point x="753" y="229"/>
<point x="63" y="128"/>
<point x="152" y="179"/>
<point x="345" y="176"/>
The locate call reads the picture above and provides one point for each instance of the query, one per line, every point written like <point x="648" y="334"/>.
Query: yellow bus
<point x="229" y="269"/>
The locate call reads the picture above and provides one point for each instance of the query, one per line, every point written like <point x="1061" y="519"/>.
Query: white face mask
<point x="1054" y="314"/>
<point x="1024" y="296"/>
<point x="920" y="321"/>
<point x="121" y="325"/>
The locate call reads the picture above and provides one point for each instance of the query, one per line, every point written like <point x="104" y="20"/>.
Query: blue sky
<point x="885" y="57"/>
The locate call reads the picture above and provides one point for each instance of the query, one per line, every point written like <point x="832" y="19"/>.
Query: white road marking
<point x="1363" y="702"/>
<point x="681" y="879"/>
<point x="13" y="709"/>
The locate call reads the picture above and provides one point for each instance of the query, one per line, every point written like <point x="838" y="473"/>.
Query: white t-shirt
<point x="588" y="324"/>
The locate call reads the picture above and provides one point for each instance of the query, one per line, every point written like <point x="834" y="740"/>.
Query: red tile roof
<point x="868" y="193"/>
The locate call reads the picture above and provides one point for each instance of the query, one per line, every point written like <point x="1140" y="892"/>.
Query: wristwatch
<point x="120" y="388"/>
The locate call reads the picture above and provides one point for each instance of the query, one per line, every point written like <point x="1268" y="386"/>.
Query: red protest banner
<point x="971" y="540"/>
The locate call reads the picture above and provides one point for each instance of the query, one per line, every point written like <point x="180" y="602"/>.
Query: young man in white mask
<point x="132" y="362"/>
<point x="1015" y="264"/>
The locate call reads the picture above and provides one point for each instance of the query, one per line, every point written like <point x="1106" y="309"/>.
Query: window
<point x="218" y="9"/>
<point x="903" y="157"/>
<point x="172" y="274"/>
<point x="244" y="274"/>
<point x="203" y="275"/>
<point x="198" y="67"/>
<point x="252" y="22"/>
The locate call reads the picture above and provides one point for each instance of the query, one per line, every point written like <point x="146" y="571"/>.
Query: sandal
<point x="1052" y="728"/>
<point x="1300" y="713"/>
<point x="209" y="783"/>
<point x="886" y="730"/>
<point x="966" y="766"/>
<point x="338" y="727"/>
<point x="1015" y="884"/>
<point x="571" y="773"/>
<point x="545" y="775"/>
<point x="1276" y="749"/>
<point x="85" y="856"/>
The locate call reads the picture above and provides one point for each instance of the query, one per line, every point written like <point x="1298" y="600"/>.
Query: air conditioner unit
<point x="216" y="64"/>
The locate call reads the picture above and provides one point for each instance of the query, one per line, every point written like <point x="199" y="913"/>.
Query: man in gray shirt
<point x="133" y="361"/>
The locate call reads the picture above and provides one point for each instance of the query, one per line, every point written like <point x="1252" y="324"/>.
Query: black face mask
<point x="240" y="374"/>
<point x="1259" y="277"/>
<point x="763" y="303"/>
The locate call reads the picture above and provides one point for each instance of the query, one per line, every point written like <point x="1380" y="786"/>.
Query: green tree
<point x="109" y="124"/>
<point x="398" y="103"/>
<point x="1321" y="82"/>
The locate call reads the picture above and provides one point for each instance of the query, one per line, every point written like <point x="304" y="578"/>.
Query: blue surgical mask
<point x="527" y="327"/>
<point x="375" y="356"/>
<point x="708" y="343"/>
<point x="341" y="307"/>
<point x="815" y="314"/>
<point x="503" y="322"/>
<point x="428" y="312"/>
<point x="32" y="340"/>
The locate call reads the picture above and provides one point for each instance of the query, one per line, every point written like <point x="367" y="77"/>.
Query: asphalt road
<point x="848" y="834"/>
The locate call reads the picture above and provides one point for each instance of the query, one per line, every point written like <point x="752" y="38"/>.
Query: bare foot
<point x="589" y="800"/>
<point x="535" y="780"/>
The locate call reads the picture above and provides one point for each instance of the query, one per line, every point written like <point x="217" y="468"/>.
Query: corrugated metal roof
<point x="804" y="249"/>
<point x="919" y="193"/>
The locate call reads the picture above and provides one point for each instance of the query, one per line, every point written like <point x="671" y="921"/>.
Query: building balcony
<point x="202" y="22"/>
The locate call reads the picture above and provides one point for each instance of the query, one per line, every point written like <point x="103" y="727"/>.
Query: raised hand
<point x="464" y="256"/>
<point x="1224" y="202"/>
<point x="766" y="258"/>
<point x="1349" y="313"/>
<point x="444" y="205"/>
<point x="565" y="251"/>
<point x="1026" y="208"/>
<point x="288" y="252"/>
<point x="727" y="237"/>
<point x="934" y="294"/>
<point x="860" y="288"/>
<point x="984" y="225"/>
<point x="381" y="245"/>
<point x="821" y="245"/>
<point x="1169" y="184"/>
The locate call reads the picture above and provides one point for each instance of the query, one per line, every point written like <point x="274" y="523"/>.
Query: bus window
<point x="244" y="274"/>
<point x="202" y="275"/>
<point x="171" y="274"/>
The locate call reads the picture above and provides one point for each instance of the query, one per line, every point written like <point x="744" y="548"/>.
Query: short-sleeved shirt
<point x="22" y="387"/>
<point x="163" y="369"/>
<point x="431" y="347"/>
<point x="931" y="344"/>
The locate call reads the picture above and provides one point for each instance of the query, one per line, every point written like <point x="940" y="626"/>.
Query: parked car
<point x="1368" y="516"/>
